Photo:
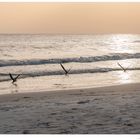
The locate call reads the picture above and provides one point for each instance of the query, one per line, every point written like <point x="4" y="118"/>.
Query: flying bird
<point x="66" y="71"/>
<point x="14" y="78"/>
<point x="122" y="67"/>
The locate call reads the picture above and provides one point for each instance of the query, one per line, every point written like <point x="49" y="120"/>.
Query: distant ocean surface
<point x="92" y="59"/>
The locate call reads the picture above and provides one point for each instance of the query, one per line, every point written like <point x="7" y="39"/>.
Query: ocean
<point x="92" y="60"/>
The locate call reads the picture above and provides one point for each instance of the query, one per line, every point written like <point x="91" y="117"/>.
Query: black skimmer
<point x="66" y="71"/>
<point x="122" y="67"/>
<point x="14" y="78"/>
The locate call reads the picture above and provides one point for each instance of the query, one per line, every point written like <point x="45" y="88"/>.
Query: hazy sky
<point x="70" y="18"/>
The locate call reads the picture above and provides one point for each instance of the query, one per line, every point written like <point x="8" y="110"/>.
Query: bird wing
<point x="17" y="76"/>
<point x="11" y="76"/>
<point x="69" y="70"/>
<point x="63" y="68"/>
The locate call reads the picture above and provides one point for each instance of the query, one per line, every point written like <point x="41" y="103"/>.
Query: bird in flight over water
<point x="66" y="71"/>
<point x="14" y="79"/>
<point x="122" y="67"/>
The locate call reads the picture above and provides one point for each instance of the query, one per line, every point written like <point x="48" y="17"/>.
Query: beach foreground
<point x="114" y="109"/>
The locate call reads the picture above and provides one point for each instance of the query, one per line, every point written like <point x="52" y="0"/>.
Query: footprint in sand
<point x="74" y="108"/>
<point x="26" y="132"/>
<point x="128" y="124"/>
<point x="26" y="97"/>
<point x="98" y="124"/>
<point x="83" y="102"/>
<point x="53" y="113"/>
<point x="43" y="124"/>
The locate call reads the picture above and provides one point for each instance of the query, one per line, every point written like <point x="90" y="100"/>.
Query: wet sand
<point x="105" y="110"/>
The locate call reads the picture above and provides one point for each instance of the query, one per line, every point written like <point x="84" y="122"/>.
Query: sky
<point x="69" y="18"/>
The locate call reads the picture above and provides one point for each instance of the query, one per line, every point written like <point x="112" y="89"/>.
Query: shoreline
<point x="119" y="87"/>
<point x="101" y="110"/>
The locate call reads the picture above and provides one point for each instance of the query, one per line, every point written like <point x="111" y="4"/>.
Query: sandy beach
<point x="105" y="110"/>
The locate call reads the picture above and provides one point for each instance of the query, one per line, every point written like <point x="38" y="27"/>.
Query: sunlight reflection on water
<point x="121" y="43"/>
<point x="28" y="47"/>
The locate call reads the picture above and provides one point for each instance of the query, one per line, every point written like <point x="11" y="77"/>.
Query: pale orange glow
<point x="70" y="18"/>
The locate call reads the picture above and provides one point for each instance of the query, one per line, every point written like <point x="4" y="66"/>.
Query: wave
<point x="116" y="56"/>
<point x="5" y="76"/>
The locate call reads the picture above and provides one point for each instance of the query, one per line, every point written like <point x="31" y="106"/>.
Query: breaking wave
<point x="116" y="56"/>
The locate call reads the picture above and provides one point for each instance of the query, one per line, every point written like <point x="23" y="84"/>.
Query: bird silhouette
<point x="122" y="67"/>
<point x="14" y="79"/>
<point x="66" y="71"/>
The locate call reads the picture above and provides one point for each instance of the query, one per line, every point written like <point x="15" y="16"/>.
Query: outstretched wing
<point x="17" y="76"/>
<point x="69" y="70"/>
<point x="11" y="76"/>
<point x="63" y="68"/>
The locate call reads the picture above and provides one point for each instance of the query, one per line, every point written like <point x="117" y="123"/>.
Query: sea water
<point x="92" y="60"/>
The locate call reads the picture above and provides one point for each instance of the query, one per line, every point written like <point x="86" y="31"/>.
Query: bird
<point x="66" y="71"/>
<point x="122" y="67"/>
<point x="14" y="78"/>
